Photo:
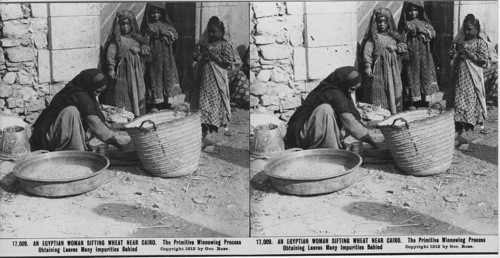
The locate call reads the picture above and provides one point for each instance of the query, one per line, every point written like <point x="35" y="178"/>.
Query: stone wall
<point x="32" y="67"/>
<point x="293" y="46"/>
<point x="24" y="88"/>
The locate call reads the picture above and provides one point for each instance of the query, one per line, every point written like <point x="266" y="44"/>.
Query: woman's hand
<point x="135" y="50"/>
<point x="368" y="71"/>
<point x="112" y="74"/>
<point x="468" y="54"/>
<point x="392" y="48"/>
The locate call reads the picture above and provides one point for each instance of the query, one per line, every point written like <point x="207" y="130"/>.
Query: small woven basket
<point x="168" y="143"/>
<point x="421" y="141"/>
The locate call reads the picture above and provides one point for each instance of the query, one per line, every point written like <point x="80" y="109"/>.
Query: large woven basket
<point x="421" y="141"/>
<point x="168" y="143"/>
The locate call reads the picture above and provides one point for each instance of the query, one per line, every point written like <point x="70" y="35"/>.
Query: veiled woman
<point x="328" y="114"/>
<point x="73" y="117"/>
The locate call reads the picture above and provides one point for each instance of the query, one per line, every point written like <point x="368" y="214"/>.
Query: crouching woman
<point x="73" y="117"/>
<point x="328" y="114"/>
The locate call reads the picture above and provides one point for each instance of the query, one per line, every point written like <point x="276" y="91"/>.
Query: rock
<point x="15" y="29"/>
<point x="9" y="78"/>
<point x="258" y="89"/>
<point x="281" y="37"/>
<point x="2" y="56"/>
<point x="268" y="25"/>
<point x="26" y="40"/>
<point x="291" y="102"/>
<point x="20" y="54"/>
<point x="252" y="77"/>
<point x="464" y="147"/>
<point x="14" y="102"/>
<point x="264" y="75"/>
<point x="31" y="118"/>
<point x="12" y="69"/>
<point x="264" y="39"/>
<point x="2" y="103"/>
<point x="38" y="24"/>
<point x="275" y="51"/>
<point x="5" y="91"/>
<point x="296" y="37"/>
<point x="10" y="42"/>
<point x="28" y="93"/>
<point x="11" y="11"/>
<point x="254" y="101"/>
<point x="24" y="78"/>
<point x="263" y="9"/>
<point x="40" y="40"/>
<point x="270" y="100"/>
<point x="279" y="75"/>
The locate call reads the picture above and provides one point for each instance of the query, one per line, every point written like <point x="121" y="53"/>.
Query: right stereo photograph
<point x="373" y="118"/>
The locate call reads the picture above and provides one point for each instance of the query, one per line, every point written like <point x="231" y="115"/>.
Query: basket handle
<point x="177" y="109"/>
<point x="402" y="119"/>
<point x="149" y="121"/>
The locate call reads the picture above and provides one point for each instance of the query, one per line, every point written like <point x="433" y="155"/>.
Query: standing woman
<point x="161" y="73"/>
<point x="210" y="96"/>
<point x="469" y="53"/>
<point x="125" y="52"/>
<point x="417" y="30"/>
<point x="382" y="47"/>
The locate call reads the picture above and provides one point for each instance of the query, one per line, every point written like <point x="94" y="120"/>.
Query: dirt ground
<point x="385" y="201"/>
<point x="211" y="202"/>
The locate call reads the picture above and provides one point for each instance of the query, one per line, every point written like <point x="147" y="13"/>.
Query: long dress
<point x="386" y="87"/>
<point x="162" y="71"/>
<point x="211" y="94"/>
<point x="129" y="90"/>
<point x="420" y="72"/>
<point x="467" y="94"/>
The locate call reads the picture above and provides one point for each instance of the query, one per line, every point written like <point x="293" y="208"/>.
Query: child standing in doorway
<point x="469" y="52"/>
<point x="161" y="73"/>
<point x="125" y="52"/>
<point x="382" y="47"/>
<point x="210" y="96"/>
<point x="419" y="70"/>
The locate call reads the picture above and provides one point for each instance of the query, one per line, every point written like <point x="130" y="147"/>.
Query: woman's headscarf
<point x="421" y="15"/>
<point x="204" y="38"/>
<point x="146" y="19"/>
<point x="116" y="30"/>
<point x="89" y="80"/>
<point x="372" y="31"/>
<point x="340" y="81"/>
<point x="481" y="26"/>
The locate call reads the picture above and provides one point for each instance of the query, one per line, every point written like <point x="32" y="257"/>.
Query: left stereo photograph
<point x="124" y="119"/>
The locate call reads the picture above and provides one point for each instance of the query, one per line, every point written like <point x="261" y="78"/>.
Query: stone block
<point x="267" y="67"/>
<point x="14" y="29"/>
<point x="267" y="62"/>
<point x="10" y="78"/>
<point x="320" y="27"/>
<point x="275" y="51"/>
<point x="254" y="52"/>
<point x="20" y="54"/>
<point x="264" y="75"/>
<point x="74" y="9"/>
<point x="43" y="66"/>
<point x="264" y="39"/>
<point x="295" y="8"/>
<point x="74" y="32"/>
<point x="280" y="90"/>
<point x="331" y="7"/>
<point x="296" y="37"/>
<point x="31" y="118"/>
<point x="258" y="88"/>
<point x="39" y="10"/>
<point x="291" y="102"/>
<point x="16" y="65"/>
<point x="28" y="93"/>
<point x="35" y="105"/>
<point x="12" y="69"/>
<point x="299" y="63"/>
<point x="281" y="37"/>
<point x="38" y="25"/>
<point x="66" y="64"/>
<point x="11" y="11"/>
<point x="322" y="61"/>
<point x="24" y="78"/>
<point x="10" y="42"/>
<point x="2" y="103"/>
<point x="14" y="102"/>
<point x="254" y="101"/>
<point x="294" y="21"/>
<point x="286" y="115"/>
<point x="252" y="77"/>
<point x="5" y="91"/>
<point x="269" y="25"/>
<point x="278" y="75"/>
<point x="2" y="56"/>
<point x="254" y="63"/>
<point x="268" y="100"/>
<point x="40" y="40"/>
<point x="263" y="9"/>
